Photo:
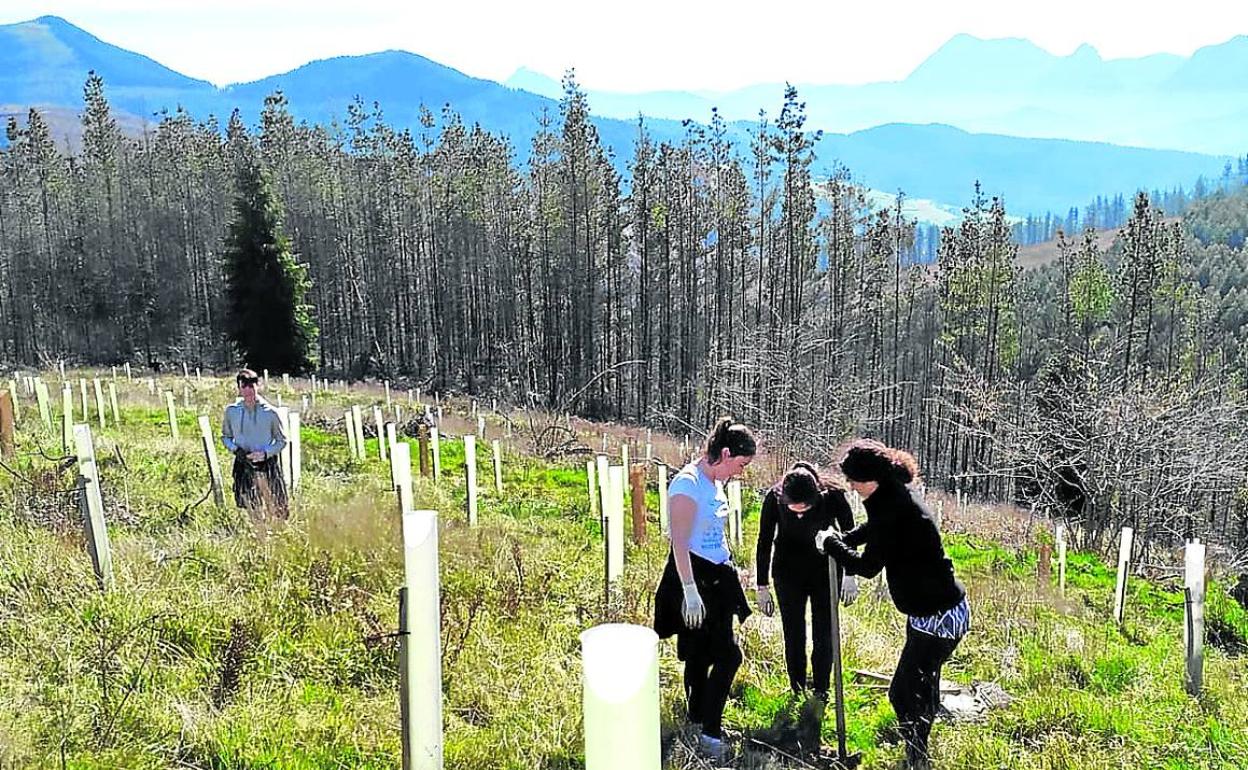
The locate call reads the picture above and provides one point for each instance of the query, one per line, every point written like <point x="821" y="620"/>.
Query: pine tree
<point x="267" y="318"/>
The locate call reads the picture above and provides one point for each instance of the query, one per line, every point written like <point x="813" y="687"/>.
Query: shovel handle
<point x="834" y="586"/>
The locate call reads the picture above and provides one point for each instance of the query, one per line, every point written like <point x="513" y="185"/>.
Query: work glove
<point x="849" y="589"/>
<point x="692" y="610"/>
<point x="821" y="538"/>
<point x="765" y="603"/>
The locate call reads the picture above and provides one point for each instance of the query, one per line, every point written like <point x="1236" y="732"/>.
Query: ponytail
<point x="730" y="435"/>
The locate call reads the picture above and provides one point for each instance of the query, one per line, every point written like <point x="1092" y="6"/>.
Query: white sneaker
<point x="715" y="748"/>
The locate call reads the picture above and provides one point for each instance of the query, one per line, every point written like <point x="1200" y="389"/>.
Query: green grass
<point x="232" y="645"/>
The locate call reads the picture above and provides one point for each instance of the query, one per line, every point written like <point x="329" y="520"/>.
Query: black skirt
<point x="256" y="484"/>
<point x="721" y="592"/>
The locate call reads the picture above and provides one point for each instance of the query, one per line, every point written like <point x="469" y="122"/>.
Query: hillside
<point x="230" y="643"/>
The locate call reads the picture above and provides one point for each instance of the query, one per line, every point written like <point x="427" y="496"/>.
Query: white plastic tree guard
<point x="210" y="457"/>
<point x="112" y="401"/>
<point x="295" y="439"/>
<point x="420" y="648"/>
<point x="665" y="523"/>
<point x="436" y="451"/>
<point x="1124" y="564"/>
<point x="593" y="487"/>
<point x="283" y="416"/>
<point x="1061" y="559"/>
<point x="1194" y="615"/>
<point x="67" y="417"/>
<point x="401" y="462"/>
<point x="381" y="434"/>
<point x="171" y="410"/>
<point x="470" y="474"/>
<point x="615" y="525"/>
<point x="358" y="420"/>
<point x="620" y="675"/>
<point x="498" y="466"/>
<point x="603" y="477"/>
<point x="348" y="421"/>
<point x="392" y="439"/>
<point x="93" y="502"/>
<point x="45" y="408"/>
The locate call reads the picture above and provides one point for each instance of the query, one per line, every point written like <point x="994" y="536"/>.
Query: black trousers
<point x="915" y="691"/>
<point x="793" y="594"/>
<point x="712" y="658"/>
<point x="259" y="484"/>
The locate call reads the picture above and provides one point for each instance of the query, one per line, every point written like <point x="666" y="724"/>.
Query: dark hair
<point x="246" y="375"/>
<point x="730" y="435"/>
<point x="869" y="460"/>
<point x="801" y="484"/>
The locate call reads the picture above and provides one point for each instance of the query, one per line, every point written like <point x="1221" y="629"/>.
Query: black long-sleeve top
<point x="901" y="536"/>
<point x="793" y="534"/>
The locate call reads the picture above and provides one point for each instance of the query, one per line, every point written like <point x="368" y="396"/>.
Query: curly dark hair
<point x="869" y="460"/>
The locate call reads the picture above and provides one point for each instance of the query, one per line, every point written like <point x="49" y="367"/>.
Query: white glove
<point x="849" y="589"/>
<point x="765" y="603"/>
<point x="821" y="536"/>
<point x="693" y="610"/>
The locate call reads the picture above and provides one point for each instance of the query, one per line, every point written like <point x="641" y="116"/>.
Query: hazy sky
<point x="637" y="44"/>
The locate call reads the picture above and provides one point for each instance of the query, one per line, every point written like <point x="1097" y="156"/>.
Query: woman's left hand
<point x="849" y="589"/>
<point x="822" y="537"/>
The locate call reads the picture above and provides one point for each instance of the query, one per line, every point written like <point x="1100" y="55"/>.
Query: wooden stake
<point x="637" y="481"/>
<point x="7" y="430"/>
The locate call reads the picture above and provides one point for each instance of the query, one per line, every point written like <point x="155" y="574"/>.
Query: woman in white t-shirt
<point x="700" y="593"/>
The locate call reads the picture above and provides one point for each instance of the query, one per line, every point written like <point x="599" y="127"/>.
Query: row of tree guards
<point x="620" y="674"/>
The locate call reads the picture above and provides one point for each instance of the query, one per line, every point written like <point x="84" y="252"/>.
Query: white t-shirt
<point x="707" y="538"/>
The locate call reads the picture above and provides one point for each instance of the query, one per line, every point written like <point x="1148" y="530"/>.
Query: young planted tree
<point x="267" y="318"/>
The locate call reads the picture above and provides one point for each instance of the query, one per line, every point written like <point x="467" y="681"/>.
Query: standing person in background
<point x="901" y="536"/>
<point x="801" y="505"/>
<point x="252" y="431"/>
<point x="700" y="591"/>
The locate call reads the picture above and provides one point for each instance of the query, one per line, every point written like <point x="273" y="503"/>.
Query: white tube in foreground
<point x="621" y="697"/>
<point x="422" y="660"/>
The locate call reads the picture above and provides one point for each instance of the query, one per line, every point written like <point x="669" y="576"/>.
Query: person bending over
<point x="901" y="536"/>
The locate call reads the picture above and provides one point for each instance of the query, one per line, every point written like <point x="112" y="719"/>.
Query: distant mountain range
<point x="44" y="62"/>
<point x="1010" y="86"/>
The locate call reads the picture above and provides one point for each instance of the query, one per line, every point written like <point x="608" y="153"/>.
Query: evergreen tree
<point x="267" y="318"/>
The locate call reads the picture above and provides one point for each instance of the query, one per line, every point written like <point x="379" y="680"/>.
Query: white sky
<point x="630" y="45"/>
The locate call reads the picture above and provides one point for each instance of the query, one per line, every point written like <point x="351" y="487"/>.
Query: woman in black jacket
<point x="794" y="511"/>
<point x="901" y="536"/>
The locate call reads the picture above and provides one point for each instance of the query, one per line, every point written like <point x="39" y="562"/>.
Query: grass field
<point x="230" y="643"/>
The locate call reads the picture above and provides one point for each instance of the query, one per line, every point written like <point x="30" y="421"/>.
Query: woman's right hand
<point x="765" y="603"/>
<point x="692" y="609"/>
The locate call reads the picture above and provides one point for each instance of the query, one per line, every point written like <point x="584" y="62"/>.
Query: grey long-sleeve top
<point x="252" y="430"/>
